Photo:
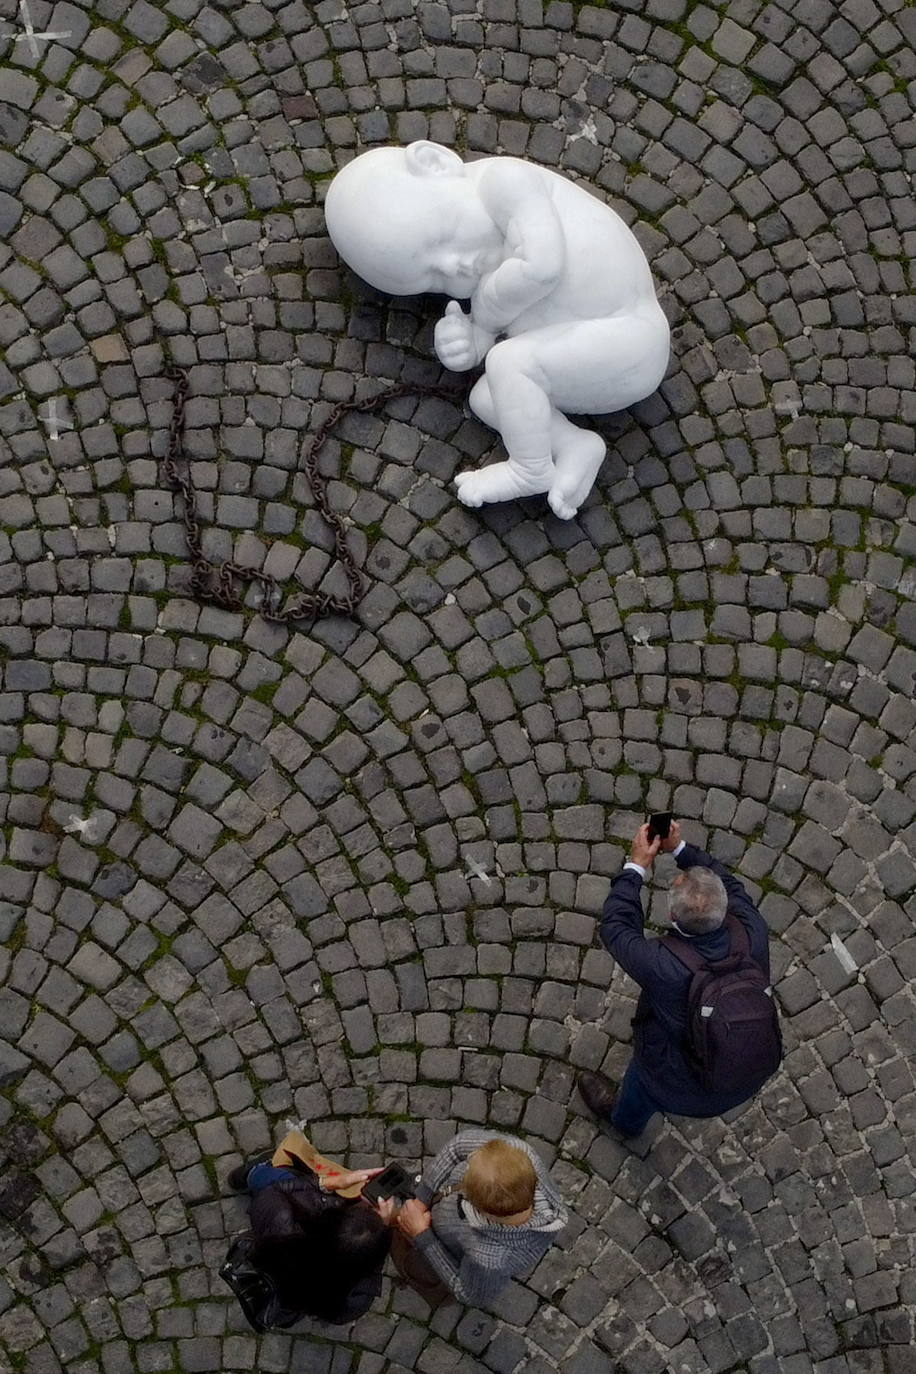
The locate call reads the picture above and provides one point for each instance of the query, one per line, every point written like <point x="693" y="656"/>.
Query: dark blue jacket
<point x="661" y="1014"/>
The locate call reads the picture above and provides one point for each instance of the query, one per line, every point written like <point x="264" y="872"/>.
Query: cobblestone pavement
<point x="352" y="874"/>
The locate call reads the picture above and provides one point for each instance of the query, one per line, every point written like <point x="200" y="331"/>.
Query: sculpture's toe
<point x="561" y="508"/>
<point x="474" y="489"/>
<point x="577" y="467"/>
<point x="468" y="494"/>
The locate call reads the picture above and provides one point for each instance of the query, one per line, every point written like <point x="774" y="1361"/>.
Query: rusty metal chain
<point x="216" y="581"/>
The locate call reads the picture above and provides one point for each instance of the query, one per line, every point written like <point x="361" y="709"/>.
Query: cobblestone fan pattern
<point x="352" y="874"/>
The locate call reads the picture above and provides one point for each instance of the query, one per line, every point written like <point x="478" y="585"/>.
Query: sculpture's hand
<point x="485" y="312"/>
<point x="459" y="344"/>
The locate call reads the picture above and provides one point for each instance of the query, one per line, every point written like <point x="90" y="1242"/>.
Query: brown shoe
<point x="597" y="1092"/>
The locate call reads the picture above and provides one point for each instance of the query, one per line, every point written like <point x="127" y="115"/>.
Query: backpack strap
<point x="739" y="941"/>
<point x="685" y="953"/>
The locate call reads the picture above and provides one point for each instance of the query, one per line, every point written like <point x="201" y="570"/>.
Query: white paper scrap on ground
<point x="846" y="961"/>
<point x="55" y="422"/>
<point x="30" y="34"/>
<point x="478" y="871"/>
<point x="82" y="826"/>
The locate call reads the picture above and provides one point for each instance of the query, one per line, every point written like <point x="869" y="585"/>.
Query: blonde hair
<point x="500" y="1179"/>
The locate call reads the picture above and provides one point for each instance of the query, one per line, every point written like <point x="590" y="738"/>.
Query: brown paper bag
<point x="294" y="1143"/>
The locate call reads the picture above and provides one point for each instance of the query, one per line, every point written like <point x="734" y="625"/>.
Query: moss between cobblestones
<point x="157" y="246"/>
<point x="16" y="940"/>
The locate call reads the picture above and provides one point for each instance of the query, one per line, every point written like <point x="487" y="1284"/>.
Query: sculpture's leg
<point x="481" y="402"/>
<point x="585" y="367"/>
<point x="594" y="367"/>
<point x="515" y="404"/>
<point x="578" y="455"/>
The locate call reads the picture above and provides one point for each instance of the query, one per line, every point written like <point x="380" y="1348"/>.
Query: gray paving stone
<point x="274" y="869"/>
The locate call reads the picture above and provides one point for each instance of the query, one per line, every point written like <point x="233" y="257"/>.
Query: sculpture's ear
<point x="425" y="159"/>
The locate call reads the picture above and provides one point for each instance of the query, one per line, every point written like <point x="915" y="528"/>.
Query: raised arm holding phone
<point x="705" y="1033"/>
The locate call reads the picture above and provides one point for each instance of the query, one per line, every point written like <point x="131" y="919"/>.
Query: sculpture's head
<point x="411" y="220"/>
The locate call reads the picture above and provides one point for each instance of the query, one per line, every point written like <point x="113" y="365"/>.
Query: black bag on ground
<point x="732" y="1042"/>
<point x="254" y="1289"/>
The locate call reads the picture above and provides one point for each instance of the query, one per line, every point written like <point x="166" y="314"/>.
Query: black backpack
<point x="254" y="1289"/>
<point x="732" y="1042"/>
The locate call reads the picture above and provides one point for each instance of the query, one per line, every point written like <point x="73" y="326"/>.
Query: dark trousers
<point x="415" y="1272"/>
<point x="264" y="1175"/>
<point x="635" y="1105"/>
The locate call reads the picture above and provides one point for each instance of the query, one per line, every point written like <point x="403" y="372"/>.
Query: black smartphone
<point x="394" y="1181"/>
<point x="660" y="825"/>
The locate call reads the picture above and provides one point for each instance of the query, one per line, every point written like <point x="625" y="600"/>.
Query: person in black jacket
<point x="659" y="1077"/>
<point x="323" y="1252"/>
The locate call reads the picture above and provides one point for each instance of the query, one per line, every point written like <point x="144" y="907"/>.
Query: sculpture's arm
<point x="520" y="204"/>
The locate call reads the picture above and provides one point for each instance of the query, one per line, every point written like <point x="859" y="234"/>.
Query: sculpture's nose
<point x="457" y="266"/>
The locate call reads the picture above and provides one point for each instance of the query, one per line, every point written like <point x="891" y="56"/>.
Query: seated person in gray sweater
<point x="485" y="1211"/>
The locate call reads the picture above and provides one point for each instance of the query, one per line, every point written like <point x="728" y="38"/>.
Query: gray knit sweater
<point x="477" y="1262"/>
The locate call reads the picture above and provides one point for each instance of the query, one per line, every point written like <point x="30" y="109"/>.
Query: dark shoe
<point x="237" y="1178"/>
<point x="597" y="1092"/>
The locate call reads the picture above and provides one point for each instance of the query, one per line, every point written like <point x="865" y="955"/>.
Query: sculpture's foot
<point x="504" y="482"/>
<point x="577" y="467"/>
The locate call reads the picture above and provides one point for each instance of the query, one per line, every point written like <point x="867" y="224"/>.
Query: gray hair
<point x="698" y="902"/>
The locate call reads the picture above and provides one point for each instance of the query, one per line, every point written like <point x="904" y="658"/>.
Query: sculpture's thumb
<point x="454" y="308"/>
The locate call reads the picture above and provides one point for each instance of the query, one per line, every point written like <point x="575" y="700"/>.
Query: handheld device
<point x="394" y="1181"/>
<point x="660" y="825"/>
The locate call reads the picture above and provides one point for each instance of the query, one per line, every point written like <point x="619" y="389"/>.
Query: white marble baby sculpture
<point x="549" y="270"/>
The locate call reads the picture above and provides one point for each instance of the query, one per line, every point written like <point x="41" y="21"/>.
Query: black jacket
<point x="272" y="1217"/>
<point x="661" y="1014"/>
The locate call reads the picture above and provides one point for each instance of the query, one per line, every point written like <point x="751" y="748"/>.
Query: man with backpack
<point x="706" y="1034"/>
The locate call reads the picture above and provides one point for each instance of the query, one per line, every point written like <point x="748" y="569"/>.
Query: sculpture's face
<point x="449" y="265"/>
<point x="406" y="233"/>
<point x="428" y="236"/>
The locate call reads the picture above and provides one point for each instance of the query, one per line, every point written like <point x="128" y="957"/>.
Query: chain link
<point x="217" y="581"/>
